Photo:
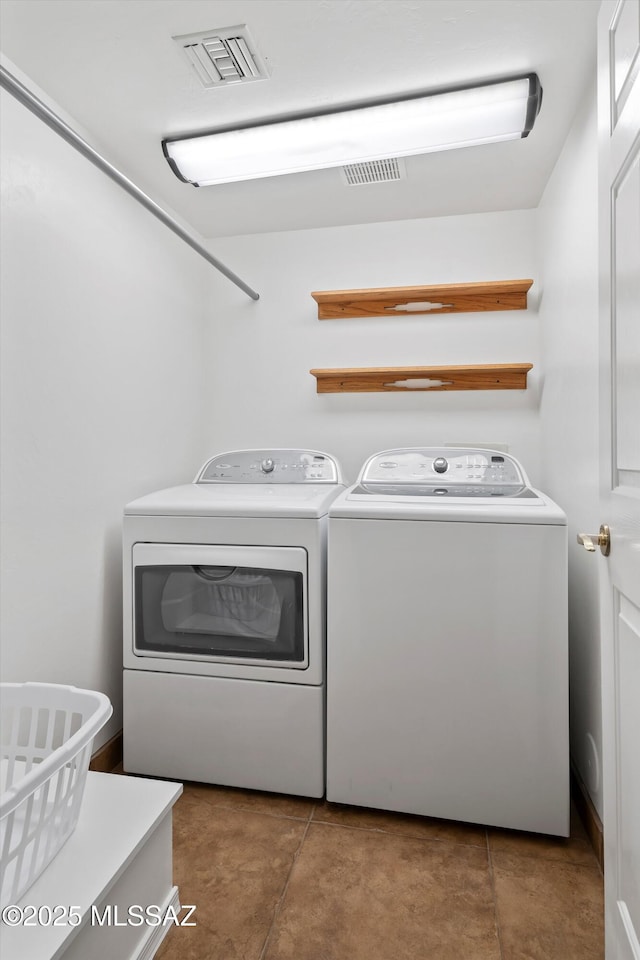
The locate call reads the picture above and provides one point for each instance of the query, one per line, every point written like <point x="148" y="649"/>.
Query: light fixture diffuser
<point x="501" y="110"/>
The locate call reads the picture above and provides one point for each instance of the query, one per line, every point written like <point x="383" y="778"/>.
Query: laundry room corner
<point x="319" y="356"/>
<point x="260" y="354"/>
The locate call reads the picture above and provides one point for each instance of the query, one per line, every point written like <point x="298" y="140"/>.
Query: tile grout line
<point x="548" y="857"/>
<point x="397" y="833"/>
<point x="278" y="906"/>
<point x="492" y="881"/>
<point x="260" y="813"/>
<point x="343" y="826"/>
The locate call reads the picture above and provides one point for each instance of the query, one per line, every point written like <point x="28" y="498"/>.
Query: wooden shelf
<point x="441" y="298"/>
<point x="492" y="376"/>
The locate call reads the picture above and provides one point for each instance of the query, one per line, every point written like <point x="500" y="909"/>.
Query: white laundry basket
<point x="46" y="735"/>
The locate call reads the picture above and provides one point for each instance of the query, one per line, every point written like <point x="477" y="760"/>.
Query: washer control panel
<point x="270" y="466"/>
<point x="457" y="472"/>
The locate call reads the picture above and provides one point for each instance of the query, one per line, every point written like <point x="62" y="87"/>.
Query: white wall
<point x="102" y="331"/>
<point x="568" y="243"/>
<point x="259" y="388"/>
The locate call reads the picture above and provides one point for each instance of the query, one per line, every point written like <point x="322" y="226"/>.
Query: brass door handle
<point x="592" y="540"/>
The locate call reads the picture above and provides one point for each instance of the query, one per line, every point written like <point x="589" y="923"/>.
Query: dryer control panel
<point x="435" y="471"/>
<point x="270" y="466"/>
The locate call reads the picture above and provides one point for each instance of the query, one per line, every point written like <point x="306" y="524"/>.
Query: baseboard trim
<point x="588" y="815"/>
<point x="108" y="756"/>
<point x="155" y="935"/>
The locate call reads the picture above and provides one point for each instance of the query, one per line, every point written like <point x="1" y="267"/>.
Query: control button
<point x="440" y="465"/>
<point x="440" y="491"/>
<point x="267" y="466"/>
<point x="388" y="465"/>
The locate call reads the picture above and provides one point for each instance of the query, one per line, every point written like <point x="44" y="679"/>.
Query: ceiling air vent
<point x="374" y="171"/>
<point x="224" y="55"/>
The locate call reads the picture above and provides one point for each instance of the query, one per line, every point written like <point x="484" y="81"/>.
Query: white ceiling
<point x="112" y="65"/>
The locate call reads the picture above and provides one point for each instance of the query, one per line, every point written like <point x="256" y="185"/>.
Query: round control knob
<point x="267" y="465"/>
<point x="440" y="465"/>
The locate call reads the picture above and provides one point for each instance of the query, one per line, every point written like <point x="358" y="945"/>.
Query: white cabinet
<point x="119" y="856"/>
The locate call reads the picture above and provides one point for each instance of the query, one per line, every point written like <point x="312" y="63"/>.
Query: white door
<point x="619" y="165"/>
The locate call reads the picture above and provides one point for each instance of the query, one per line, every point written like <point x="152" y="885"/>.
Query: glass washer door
<point x="232" y="604"/>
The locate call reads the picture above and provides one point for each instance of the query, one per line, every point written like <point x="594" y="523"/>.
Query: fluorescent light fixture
<point x="501" y="110"/>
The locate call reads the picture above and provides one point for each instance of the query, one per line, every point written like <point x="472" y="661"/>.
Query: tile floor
<point x="284" y="878"/>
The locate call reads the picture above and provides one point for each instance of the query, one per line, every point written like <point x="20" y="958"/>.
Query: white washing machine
<point x="224" y="623"/>
<point x="447" y="673"/>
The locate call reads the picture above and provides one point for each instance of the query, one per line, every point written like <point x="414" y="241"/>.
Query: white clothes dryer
<point x="224" y="623"/>
<point x="447" y="673"/>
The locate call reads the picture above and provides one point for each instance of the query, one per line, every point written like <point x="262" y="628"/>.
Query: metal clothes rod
<point x="41" y="110"/>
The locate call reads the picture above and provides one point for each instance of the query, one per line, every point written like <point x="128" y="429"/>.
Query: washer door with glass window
<point x="227" y="604"/>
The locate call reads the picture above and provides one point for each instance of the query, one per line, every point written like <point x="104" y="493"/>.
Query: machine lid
<point x="237" y="500"/>
<point x="271" y="466"/>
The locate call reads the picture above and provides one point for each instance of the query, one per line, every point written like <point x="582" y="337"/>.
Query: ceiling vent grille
<point x="374" y="171"/>
<point x="222" y="56"/>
